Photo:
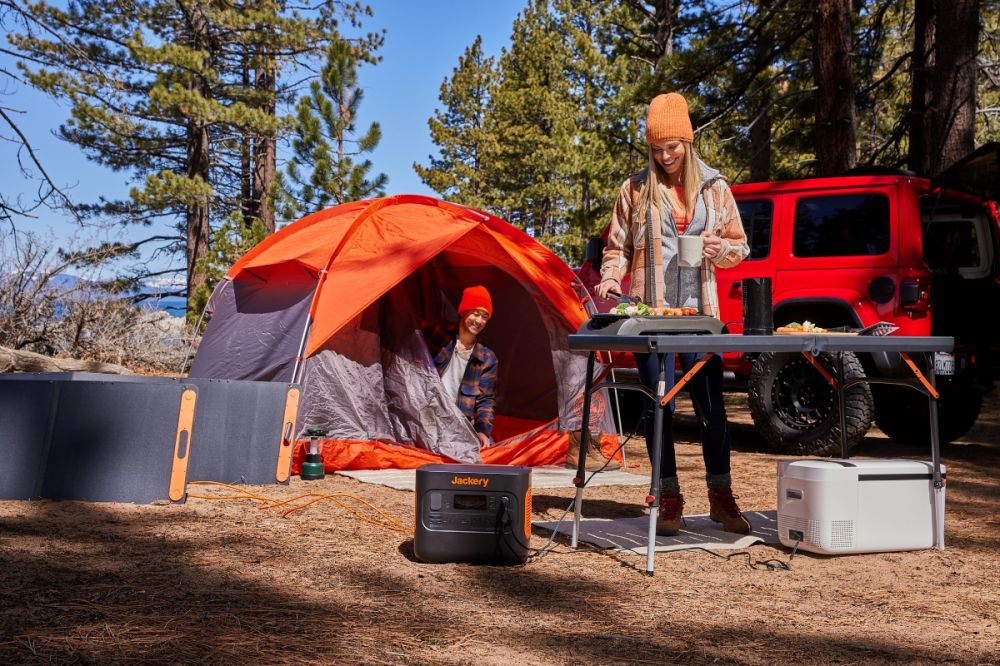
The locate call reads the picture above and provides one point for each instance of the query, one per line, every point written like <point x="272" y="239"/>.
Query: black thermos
<point x="757" y="315"/>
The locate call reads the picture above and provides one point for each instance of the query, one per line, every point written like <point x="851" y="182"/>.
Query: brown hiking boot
<point x="668" y="518"/>
<point x="725" y="510"/>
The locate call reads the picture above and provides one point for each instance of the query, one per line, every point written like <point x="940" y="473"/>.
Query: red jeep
<point x="855" y="250"/>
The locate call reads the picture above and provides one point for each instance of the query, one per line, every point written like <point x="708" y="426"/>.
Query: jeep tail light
<point x="915" y="294"/>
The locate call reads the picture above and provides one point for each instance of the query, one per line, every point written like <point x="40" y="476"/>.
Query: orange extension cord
<point x="384" y="520"/>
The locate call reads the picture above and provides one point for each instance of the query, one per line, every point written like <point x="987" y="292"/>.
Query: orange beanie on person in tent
<point x="476" y="298"/>
<point x="668" y="118"/>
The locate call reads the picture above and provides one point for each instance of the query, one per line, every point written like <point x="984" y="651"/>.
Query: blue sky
<point x="423" y="42"/>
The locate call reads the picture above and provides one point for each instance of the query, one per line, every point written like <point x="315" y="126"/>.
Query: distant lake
<point x="175" y="306"/>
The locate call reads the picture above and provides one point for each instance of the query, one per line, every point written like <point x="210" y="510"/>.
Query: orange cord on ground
<point x="386" y="521"/>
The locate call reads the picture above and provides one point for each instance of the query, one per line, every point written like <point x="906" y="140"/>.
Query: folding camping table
<point x="594" y="340"/>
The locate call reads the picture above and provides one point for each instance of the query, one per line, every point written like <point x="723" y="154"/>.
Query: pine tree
<point x="181" y="98"/>
<point x="532" y="129"/>
<point x="327" y="166"/>
<point x="953" y="85"/>
<point x="605" y="149"/>
<point x="458" y="130"/>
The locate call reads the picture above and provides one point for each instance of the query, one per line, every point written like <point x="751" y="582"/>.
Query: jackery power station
<point x="473" y="513"/>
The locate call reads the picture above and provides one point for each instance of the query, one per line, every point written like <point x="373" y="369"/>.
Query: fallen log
<point x="16" y="360"/>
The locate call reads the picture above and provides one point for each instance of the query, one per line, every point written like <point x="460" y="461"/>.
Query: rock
<point x="15" y="360"/>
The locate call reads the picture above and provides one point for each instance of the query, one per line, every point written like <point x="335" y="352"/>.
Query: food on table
<point x="631" y="309"/>
<point x="674" y="312"/>
<point x="643" y="310"/>
<point x="805" y="327"/>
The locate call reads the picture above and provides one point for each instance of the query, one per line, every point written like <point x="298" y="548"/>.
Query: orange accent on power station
<point x="185" y="425"/>
<point x="288" y="426"/>
<point x="527" y="516"/>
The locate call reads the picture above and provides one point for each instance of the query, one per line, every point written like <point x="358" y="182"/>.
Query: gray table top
<point x="813" y="343"/>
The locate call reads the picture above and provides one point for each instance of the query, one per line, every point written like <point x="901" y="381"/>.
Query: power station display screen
<point x="469" y="502"/>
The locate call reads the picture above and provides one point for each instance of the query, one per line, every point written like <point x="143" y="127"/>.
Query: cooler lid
<point x="828" y="468"/>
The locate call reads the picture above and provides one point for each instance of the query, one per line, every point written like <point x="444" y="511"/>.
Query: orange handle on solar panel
<point x="185" y="424"/>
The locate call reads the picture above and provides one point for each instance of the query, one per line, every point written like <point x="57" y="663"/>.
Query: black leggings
<point x="706" y="393"/>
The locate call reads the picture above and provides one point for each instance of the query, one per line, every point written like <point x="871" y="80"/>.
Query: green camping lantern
<point x="312" y="467"/>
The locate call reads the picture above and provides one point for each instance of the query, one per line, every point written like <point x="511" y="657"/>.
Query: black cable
<point x="548" y="547"/>
<point x="771" y="564"/>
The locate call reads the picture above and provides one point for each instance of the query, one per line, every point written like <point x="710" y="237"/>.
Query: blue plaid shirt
<point x="477" y="396"/>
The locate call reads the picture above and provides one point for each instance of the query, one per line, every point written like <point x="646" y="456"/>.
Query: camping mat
<point x="696" y="532"/>
<point x="547" y="476"/>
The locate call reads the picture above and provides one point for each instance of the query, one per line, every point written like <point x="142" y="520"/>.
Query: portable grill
<point x="612" y="324"/>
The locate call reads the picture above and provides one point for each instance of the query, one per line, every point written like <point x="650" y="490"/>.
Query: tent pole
<point x="302" y="350"/>
<point x="204" y="311"/>
<point x="618" y="412"/>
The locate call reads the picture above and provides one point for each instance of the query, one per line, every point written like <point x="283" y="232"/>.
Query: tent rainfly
<point x="351" y="302"/>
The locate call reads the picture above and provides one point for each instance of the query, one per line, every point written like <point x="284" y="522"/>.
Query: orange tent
<point x="349" y="303"/>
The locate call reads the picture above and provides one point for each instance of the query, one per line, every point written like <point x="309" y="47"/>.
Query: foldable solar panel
<point x="125" y="438"/>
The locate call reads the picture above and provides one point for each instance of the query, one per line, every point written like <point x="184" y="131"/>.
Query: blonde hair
<point x="649" y="192"/>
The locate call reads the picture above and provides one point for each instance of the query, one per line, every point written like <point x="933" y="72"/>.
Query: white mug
<point x="689" y="250"/>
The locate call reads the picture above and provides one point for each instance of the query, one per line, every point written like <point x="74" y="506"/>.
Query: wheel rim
<point x="802" y="398"/>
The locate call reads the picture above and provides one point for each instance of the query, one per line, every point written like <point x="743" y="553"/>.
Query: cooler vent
<point x="841" y="533"/>
<point x="809" y="528"/>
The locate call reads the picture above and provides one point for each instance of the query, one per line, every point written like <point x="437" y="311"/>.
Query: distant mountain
<point x="154" y="298"/>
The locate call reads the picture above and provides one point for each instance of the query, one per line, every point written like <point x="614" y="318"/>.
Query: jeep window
<point x="757" y="215"/>
<point x="956" y="239"/>
<point x="841" y="225"/>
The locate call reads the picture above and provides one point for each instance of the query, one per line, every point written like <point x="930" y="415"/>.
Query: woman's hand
<point x="711" y="245"/>
<point x="608" y="288"/>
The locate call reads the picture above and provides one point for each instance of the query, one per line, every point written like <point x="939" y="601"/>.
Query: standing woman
<point x="676" y="195"/>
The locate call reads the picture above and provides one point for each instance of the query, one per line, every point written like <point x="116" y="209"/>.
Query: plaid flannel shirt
<point x="477" y="396"/>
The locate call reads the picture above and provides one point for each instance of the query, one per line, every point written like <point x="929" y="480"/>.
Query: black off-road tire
<point x="901" y="413"/>
<point x="795" y="408"/>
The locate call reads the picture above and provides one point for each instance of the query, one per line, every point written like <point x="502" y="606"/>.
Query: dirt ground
<point x="233" y="581"/>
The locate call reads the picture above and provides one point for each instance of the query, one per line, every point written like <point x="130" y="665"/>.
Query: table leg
<point x="581" y="464"/>
<point x="938" y="500"/>
<point x="654" y="483"/>
<point x="841" y="406"/>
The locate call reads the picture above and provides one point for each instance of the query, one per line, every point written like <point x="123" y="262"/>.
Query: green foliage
<point x="327" y="166"/>
<point x="459" y="130"/>
<point x="988" y="92"/>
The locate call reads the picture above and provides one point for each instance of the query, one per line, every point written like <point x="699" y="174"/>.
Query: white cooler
<point x="833" y="506"/>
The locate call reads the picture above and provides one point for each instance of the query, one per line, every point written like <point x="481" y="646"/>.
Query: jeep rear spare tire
<point x="795" y="408"/>
<point x="901" y="413"/>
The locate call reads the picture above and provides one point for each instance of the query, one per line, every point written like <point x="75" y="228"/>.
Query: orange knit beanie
<point x="668" y="118"/>
<point x="474" y="298"/>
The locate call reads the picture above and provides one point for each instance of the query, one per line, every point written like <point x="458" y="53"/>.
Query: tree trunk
<point x="197" y="222"/>
<point x="198" y="169"/>
<point x="760" y="147"/>
<point x="953" y="96"/>
<point x="836" y="122"/>
<point x="918" y="157"/>
<point x="760" y="126"/>
<point x="247" y="207"/>
<point x="663" y="20"/>
<point x="265" y="150"/>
